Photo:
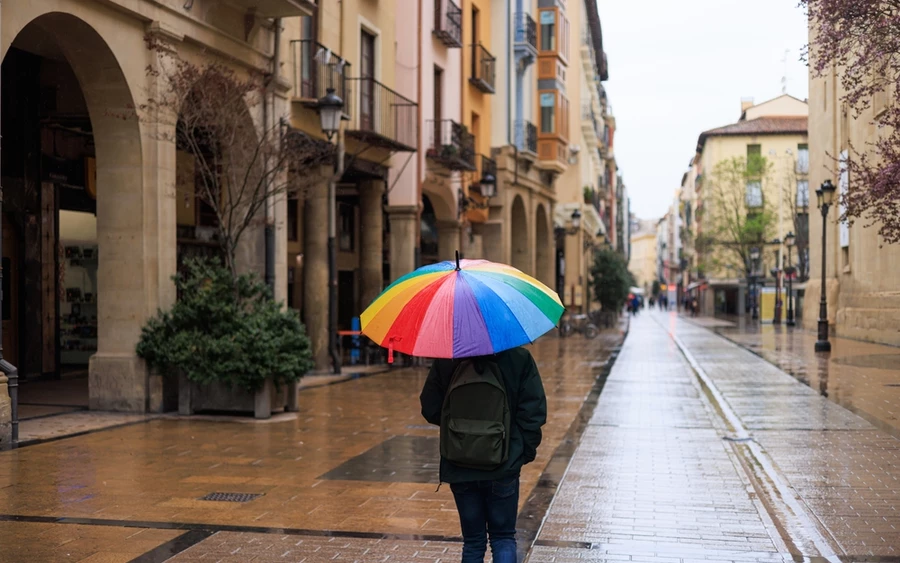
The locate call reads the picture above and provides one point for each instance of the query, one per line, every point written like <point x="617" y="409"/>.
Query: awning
<point x="695" y="285"/>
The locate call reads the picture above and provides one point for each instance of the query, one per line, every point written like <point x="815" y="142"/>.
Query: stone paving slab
<point x="33" y="542"/>
<point x="227" y="547"/>
<point x="845" y="470"/>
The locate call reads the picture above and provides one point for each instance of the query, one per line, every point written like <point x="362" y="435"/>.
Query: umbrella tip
<point x="457" y="261"/>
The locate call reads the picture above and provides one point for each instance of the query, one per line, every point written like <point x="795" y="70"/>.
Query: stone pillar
<point x="315" y="274"/>
<point x="404" y="238"/>
<point x="5" y="414"/>
<point x="448" y="239"/>
<point x="492" y="242"/>
<point x="371" y="243"/>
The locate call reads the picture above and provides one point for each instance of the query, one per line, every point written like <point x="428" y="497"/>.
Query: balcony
<point x="382" y="118"/>
<point x="553" y="154"/>
<point x="526" y="38"/>
<point x="451" y="145"/>
<point x="448" y="23"/>
<point x="482" y="69"/>
<point x="316" y="69"/>
<point x="526" y="136"/>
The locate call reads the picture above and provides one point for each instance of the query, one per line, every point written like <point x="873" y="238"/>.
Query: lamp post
<point x="776" y="273"/>
<point x="824" y="199"/>
<point x="789" y="240"/>
<point x="754" y="258"/>
<point x="331" y="107"/>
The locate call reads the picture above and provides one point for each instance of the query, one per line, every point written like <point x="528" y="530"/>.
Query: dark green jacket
<point x="527" y="404"/>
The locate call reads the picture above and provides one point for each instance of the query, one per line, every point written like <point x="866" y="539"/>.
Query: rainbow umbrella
<point x="462" y="309"/>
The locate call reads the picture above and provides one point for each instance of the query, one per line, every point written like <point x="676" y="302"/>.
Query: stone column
<point x="448" y="239"/>
<point x="371" y="243"/>
<point x="315" y="274"/>
<point x="404" y="238"/>
<point x="5" y="414"/>
<point x="492" y="242"/>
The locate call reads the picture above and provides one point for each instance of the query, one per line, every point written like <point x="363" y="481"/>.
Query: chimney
<point x="746" y="103"/>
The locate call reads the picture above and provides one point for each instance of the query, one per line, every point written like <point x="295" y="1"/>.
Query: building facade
<point x="860" y="270"/>
<point x="644" y="263"/>
<point x="712" y="197"/>
<point x="93" y="228"/>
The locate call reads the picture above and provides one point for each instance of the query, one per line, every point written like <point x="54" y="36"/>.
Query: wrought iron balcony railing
<point x="526" y="30"/>
<point x="448" y="22"/>
<point x="451" y="145"/>
<point x="317" y="68"/>
<point x="381" y="116"/>
<point x="486" y="166"/>
<point x="483" y="64"/>
<point x="526" y="136"/>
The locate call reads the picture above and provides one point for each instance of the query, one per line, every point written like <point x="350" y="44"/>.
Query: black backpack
<point x="475" y="418"/>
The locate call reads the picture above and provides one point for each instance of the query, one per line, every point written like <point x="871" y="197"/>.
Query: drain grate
<point x="231" y="497"/>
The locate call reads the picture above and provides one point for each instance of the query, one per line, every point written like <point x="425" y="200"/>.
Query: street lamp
<point x="754" y="258"/>
<point x="331" y="108"/>
<point x="824" y="199"/>
<point x="789" y="240"/>
<point x="561" y="233"/>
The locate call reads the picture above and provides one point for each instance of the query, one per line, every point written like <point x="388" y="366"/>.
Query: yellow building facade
<point x="775" y="130"/>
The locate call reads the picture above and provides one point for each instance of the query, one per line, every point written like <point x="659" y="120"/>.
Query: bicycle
<point x="580" y="324"/>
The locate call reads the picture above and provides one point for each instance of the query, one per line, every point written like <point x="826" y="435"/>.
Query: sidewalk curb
<point x="564" y="453"/>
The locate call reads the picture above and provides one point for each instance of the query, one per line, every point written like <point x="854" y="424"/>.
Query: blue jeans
<point x="488" y="508"/>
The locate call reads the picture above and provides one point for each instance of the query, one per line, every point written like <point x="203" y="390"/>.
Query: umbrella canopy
<point x="463" y="309"/>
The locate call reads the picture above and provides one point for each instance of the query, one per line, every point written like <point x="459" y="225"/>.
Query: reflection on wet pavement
<point x="860" y="376"/>
<point x="155" y="473"/>
<point x="652" y="479"/>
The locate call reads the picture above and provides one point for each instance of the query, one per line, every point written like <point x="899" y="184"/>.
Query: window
<point x="754" y="160"/>
<point x="293" y="218"/>
<point x="438" y="87"/>
<point x="802" y="193"/>
<point x="347" y="235"/>
<point x="367" y="87"/>
<point x="548" y="113"/>
<point x="564" y="116"/>
<point x="803" y="159"/>
<point x="754" y="194"/>
<point x="548" y="30"/>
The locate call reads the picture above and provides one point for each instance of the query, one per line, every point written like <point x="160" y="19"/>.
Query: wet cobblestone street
<point x="697" y="450"/>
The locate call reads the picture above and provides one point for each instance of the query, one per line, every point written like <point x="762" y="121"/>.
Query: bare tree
<point x="739" y="216"/>
<point x="208" y="111"/>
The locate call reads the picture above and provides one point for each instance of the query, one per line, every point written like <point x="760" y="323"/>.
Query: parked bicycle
<point x="580" y="324"/>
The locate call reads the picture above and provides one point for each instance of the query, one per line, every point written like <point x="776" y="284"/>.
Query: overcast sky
<point x="678" y="68"/>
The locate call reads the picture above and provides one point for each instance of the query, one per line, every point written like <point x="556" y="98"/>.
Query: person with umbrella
<point x="483" y="390"/>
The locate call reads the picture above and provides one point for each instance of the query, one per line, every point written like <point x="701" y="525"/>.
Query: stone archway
<point x="520" y="248"/>
<point x="544" y="247"/>
<point x="130" y="265"/>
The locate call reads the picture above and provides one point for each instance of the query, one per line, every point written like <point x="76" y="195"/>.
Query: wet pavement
<point x="690" y="448"/>
<point x="352" y="475"/>
<point x="860" y="376"/>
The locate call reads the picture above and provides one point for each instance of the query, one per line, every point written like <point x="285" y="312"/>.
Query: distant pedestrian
<point x="490" y="410"/>
<point x="652" y="302"/>
<point x="694" y="307"/>
<point x="635" y="304"/>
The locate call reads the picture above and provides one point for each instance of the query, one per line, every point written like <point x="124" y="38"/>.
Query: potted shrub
<point x="231" y="346"/>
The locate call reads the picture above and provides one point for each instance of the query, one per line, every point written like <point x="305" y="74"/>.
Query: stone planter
<point x="217" y="397"/>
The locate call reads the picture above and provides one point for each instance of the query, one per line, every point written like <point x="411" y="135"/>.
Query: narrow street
<point x="697" y="449"/>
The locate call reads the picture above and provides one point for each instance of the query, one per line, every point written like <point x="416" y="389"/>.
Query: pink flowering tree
<point x="860" y="39"/>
